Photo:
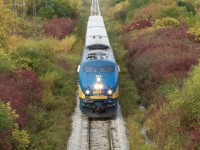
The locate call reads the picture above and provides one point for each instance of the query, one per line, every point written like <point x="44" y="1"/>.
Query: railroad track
<point x="95" y="10"/>
<point x="100" y="136"/>
<point x="97" y="134"/>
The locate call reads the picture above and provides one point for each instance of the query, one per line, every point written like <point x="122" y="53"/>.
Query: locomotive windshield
<point x="107" y="69"/>
<point x="102" y="69"/>
<point x="98" y="46"/>
<point x="90" y="68"/>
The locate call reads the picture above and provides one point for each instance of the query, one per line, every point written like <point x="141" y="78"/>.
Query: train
<point x="98" y="73"/>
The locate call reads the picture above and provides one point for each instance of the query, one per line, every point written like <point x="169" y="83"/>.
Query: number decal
<point x="97" y="92"/>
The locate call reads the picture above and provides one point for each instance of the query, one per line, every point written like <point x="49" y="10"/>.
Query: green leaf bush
<point x="189" y="7"/>
<point x="6" y="63"/>
<point x="170" y="12"/>
<point x="6" y="120"/>
<point x="56" y="8"/>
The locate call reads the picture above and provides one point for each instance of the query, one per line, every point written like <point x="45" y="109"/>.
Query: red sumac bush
<point x="163" y="53"/>
<point x="59" y="27"/>
<point x="138" y="24"/>
<point x="20" y="89"/>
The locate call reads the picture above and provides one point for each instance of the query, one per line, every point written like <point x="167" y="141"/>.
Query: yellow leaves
<point x="7" y="22"/>
<point x="167" y="22"/>
<point x="20" y="139"/>
<point x="195" y="30"/>
<point x="48" y="83"/>
<point x="65" y="44"/>
<point x="47" y="97"/>
<point x="46" y="45"/>
<point x="12" y="112"/>
<point x="120" y="6"/>
<point x="1" y="2"/>
<point x="13" y="40"/>
<point x="75" y="4"/>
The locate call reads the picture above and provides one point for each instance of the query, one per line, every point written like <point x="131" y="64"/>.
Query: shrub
<point x="63" y="9"/>
<point x="151" y="11"/>
<point x="195" y="30"/>
<point x="134" y="4"/>
<point x="187" y="99"/>
<point x="138" y="24"/>
<point x="121" y="15"/>
<point x="36" y="55"/>
<point x="167" y="22"/>
<point x="76" y="5"/>
<point x="189" y="7"/>
<point x="13" y="138"/>
<point x="20" y="139"/>
<point x="7" y="18"/>
<point x="170" y="12"/>
<point x="180" y="116"/>
<point x="6" y="63"/>
<point x="156" y="56"/>
<point x="6" y="120"/>
<point x="66" y="44"/>
<point x="20" y="89"/>
<point x="48" y="83"/>
<point x="47" y="12"/>
<point x="47" y="97"/>
<point x="59" y="27"/>
<point x="14" y="40"/>
<point x="54" y="8"/>
<point x="120" y="6"/>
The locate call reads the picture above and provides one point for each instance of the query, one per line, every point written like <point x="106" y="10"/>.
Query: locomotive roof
<point x="97" y="45"/>
<point x="98" y="54"/>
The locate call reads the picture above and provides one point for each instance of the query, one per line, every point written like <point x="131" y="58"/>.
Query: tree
<point x="7" y="19"/>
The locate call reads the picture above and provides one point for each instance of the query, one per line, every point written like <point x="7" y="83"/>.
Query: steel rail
<point x="110" y="135"/>
<point x="88" y="136"/>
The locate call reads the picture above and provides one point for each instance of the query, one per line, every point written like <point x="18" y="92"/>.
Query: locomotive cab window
<point x="90" y="69"/>
<point x="107" y="69"/>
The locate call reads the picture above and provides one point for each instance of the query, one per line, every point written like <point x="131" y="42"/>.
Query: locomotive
<point x="98" y="73"/>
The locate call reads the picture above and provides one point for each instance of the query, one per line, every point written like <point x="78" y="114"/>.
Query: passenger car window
<point x="107" y="69"/>
<point x="90" y="69"/>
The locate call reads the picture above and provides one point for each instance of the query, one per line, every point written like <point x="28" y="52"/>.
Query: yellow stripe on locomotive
<point x="97" y="95"/>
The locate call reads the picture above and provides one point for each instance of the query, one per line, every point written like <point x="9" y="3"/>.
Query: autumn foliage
<point x="139" y="24"/>
<point x="21" y="89"/>
<point x="59" y="27"/>
<point x="156" y="56"/>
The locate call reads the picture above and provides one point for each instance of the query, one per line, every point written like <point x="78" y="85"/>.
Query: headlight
<point x="98" y="79"/>
<point x="98" y="86"/>
<point x="87" y="92"/>
<point x="110" y="92"/>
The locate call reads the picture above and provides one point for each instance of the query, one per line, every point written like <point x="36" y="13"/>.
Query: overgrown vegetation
<point x="37" y="76"/>
<point x="162" y="42"/>
<point x="39" y="57"/>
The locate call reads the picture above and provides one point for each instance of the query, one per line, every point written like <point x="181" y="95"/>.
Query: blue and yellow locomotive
<point x="98" y="73"/>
